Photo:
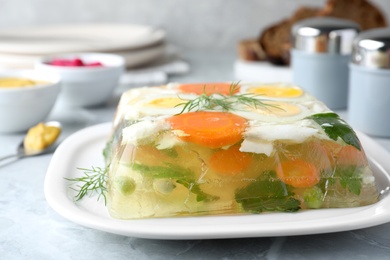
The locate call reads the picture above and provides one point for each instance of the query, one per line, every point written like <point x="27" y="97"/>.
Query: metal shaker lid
<point x="324" y="35"/>
<point x="372" y="49"/>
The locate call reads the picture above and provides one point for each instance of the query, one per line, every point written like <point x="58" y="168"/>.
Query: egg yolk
<point x="281" y="109"/>
<point x="165" y="102"/>
<point x="276" y="92"/>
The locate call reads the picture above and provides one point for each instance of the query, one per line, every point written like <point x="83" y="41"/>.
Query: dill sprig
<point x="218" y="101"/>
<point x="94" y="180"/>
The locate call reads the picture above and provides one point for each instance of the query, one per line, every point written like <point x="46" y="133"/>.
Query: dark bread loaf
<point x="275" y="40"/>
<point x="362" y="12"/>
<point x="250" y="50"/>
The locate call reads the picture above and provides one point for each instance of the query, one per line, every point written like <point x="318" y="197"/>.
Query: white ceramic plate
<point x="84" y="149"/>
<point x="78" y="38"/>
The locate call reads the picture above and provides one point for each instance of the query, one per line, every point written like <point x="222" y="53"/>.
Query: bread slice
<point x="275" y="40"/>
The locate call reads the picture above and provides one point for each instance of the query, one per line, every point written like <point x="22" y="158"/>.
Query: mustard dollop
<point x="41" y="136"/>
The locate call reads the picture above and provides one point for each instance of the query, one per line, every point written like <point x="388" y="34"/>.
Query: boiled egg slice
<point x="273" y="111"/>
<point x="158" y="105"/>
<point x="260" y="136"/>
<point x="274" y="91"/>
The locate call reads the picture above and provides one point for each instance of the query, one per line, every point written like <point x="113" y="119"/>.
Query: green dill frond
<point x="218" y="101"/>
<point x="93" y="180"/>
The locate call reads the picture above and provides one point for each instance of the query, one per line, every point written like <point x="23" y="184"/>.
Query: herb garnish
<point x="336" y="127"/>
<point x="349" y="177"/>
<point x="267" y="193"/>
<point x="352" y="180"/>
<point x="218" y="101"/>
<point x="182" y="176"/>
<point x="94" y="180"/>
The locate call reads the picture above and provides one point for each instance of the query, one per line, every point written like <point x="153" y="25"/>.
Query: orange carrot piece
<point x="230" y="161"/>
<point x="298" y="173"/>
<point x="207" y="88"/>
<point x="210" y="129"/>
<point x="344" y="154"/>
<point x="349" y="155"/>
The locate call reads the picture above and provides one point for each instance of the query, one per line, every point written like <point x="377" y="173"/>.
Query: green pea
<point x="313" y="197"/>
<point x="126" y="185"/>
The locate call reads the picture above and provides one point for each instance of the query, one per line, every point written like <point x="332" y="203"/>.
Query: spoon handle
<point x="9" y="156"/>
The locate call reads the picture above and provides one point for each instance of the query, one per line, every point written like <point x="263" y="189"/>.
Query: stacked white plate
<point x="20" y="48"/>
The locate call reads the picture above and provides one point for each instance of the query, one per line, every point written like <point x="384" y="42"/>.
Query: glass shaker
<point x="369" y="97"/>
<point x="320" y="54"/>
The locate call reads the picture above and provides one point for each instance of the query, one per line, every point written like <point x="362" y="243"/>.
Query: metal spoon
<point x="21" y="152"/>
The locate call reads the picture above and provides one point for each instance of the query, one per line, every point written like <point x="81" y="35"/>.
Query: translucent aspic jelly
<point x="178" y="152"/>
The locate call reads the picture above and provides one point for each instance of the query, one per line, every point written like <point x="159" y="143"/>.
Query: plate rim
<point x="151" y="36"/>
<point x="143" y="228"/>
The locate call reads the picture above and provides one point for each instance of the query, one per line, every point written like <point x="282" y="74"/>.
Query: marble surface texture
<point x="30" y="229"/>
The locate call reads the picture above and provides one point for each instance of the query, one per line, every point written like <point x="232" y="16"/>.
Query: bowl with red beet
<point x="88" y="79"/>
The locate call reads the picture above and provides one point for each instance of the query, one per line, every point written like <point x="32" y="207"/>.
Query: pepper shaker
<point x="369" y="97"/>
<point x="320" y="54"/>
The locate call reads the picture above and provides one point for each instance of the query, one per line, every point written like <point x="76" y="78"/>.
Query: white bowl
<point x="86" y="86"/>
<point x="24" y="107"/>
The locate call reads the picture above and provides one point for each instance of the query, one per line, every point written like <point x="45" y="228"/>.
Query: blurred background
<point x="197" y="25"/>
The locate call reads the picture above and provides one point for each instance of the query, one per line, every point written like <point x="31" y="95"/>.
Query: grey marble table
<point x="30" y="229"/>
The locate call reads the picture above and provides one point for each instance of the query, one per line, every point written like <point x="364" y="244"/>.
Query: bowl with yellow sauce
<point x="88" y="79"/>
<point x="26" y="98"/>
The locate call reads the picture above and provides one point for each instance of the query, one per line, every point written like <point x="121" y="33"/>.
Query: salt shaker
<point x="320" y="54"/>
<point x="369" y="97"/>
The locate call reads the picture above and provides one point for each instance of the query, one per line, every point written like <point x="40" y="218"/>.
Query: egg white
<point x="133" y="96"/>
<point x="145" y="106"/>
<point x="260" y="136"/>
<point x="284" y="112"/>
<point x="136" y="133"/>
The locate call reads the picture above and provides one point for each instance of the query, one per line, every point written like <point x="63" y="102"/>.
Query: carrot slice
<point x="207" y="88"/>
<point x="350" y="155"/>
<point x="344" y="154"/>
<point x="298" y="173"/>
<point x="210" y="129"/>
<point x="230" y="161"/>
